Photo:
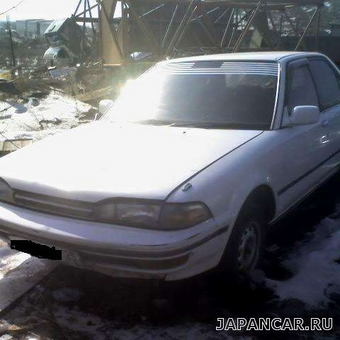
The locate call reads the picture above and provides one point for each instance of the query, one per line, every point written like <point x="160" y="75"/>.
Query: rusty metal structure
<point x="128" y="30"/>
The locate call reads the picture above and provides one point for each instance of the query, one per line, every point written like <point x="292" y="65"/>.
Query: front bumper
<point x="118" y="250"/>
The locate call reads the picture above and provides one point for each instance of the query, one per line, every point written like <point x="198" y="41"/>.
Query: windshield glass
<point x="238" y="95"/>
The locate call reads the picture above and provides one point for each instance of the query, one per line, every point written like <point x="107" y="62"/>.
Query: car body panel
<point x="149" y="253"/>
<point x="113" y="160"/>
<point x="216" y="186"/>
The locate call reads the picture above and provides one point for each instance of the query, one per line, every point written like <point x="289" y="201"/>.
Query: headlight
<point x="183" y="215"/>
<point x="168" y="216"/>
<point x="6" y="192"/>
<point x="133" y="214"/>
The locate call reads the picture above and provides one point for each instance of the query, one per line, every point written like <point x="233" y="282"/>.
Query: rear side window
<point x="301" y="90"/>
<point x="327" y="83"/>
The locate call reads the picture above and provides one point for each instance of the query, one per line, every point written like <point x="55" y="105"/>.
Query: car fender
<point x="225" y="186"/>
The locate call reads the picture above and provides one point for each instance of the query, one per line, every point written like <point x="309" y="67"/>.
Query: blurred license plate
<point x="37" y="250"/>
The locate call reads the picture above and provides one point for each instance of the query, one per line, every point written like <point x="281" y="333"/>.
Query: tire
<point x="245" y="247"/>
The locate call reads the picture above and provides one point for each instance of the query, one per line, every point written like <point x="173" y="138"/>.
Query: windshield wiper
<point x="155" y="122"/>
<point x="202" y="125"/>
<point x="241" y="126"/>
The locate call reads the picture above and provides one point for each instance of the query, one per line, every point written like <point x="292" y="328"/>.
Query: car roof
<point x="247" y="56"/>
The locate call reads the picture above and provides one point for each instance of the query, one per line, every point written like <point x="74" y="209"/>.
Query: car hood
<point x="103" y="160"/>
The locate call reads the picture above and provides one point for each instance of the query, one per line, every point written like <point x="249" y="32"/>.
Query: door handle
<point x="325" y="123"/>
<point x="324" y="139"/>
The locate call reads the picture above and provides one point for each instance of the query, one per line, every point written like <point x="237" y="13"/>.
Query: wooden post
<point x="11" y="42"/>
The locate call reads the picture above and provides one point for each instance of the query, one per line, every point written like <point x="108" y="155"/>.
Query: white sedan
<point x="186" y="170"/>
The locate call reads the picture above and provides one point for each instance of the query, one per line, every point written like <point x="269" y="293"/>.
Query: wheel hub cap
<point x="248" y="249"/>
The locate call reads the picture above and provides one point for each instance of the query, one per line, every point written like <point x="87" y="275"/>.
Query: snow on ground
<point x="99" y="329"/>
<point x="313" y="262"/>
<point x="10" y="259"/>
<point x="39" y="118"/>
<point x="74" y="321"/>
<point x="18" y="273"/>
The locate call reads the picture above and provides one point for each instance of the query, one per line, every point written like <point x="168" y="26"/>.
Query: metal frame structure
<point x="168" y="28"/>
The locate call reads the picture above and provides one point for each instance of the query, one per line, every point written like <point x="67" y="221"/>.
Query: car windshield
<point x="236" y="95"/>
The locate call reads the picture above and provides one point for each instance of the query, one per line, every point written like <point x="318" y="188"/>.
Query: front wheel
<point x="245" y="247"/>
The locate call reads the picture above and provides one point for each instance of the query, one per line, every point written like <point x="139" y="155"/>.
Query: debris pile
<point x="37" y="115"/>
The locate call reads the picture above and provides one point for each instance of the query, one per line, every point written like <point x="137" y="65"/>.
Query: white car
<point x="186" y="171"/>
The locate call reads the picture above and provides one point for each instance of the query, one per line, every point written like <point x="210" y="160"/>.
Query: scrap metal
<point x="169" y="28"/>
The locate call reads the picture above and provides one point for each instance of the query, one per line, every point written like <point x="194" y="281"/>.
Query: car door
<point x="303" y="148"/>
<point x="327" y="80"/>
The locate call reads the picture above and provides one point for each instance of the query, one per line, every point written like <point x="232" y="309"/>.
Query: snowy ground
<point x="9" y="259"/>
<point x="315" y="264"/>
<point x="36" y="118"/>
<point x="18" y="273"/>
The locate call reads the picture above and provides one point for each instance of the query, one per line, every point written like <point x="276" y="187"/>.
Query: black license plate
<point x="37" y="250"/>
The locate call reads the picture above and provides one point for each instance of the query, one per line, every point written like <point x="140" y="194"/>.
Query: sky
<point x="39" y="9"/>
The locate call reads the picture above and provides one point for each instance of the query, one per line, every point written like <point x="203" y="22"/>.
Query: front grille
<point x="54" y="205"/>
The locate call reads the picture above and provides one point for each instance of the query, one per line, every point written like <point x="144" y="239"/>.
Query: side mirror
<point x="304" y="115"/>
<point x="104" y="106"/>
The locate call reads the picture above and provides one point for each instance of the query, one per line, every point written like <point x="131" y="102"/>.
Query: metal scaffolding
<point x="167" y="28"/>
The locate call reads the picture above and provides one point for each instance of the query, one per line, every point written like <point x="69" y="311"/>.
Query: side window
<point x="327" y="83"/>
<point x="301" y="88"/>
